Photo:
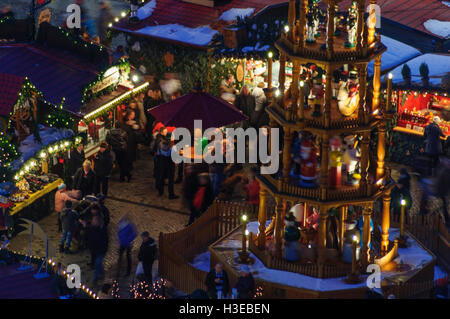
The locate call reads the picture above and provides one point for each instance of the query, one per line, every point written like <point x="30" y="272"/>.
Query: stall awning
<point x="10" y="86"/>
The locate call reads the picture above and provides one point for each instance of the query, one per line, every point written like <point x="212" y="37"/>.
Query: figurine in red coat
<point x="308" y="166"/>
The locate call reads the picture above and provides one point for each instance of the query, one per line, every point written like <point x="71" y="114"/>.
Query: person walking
<point x="126" y="234"/>
<point x="165" y="168"/>
<point x="433" y="145"/>
<point x="98" y="241"/>
<point x="202" y="197"/>
<point x="117" y="139"/>
<point x="246" y="103"/>
<point x="132" y="128"/>
<point x="147" y="255"/>
<point x="245" y="285"/>
<point x="69" y="218"/>
<point x="217" y="282"/>
<point x="260" y="100"/>
<point x="61" y="197"/>
<point x="77" y="157"/>
<point x="103" y="163"/>
<point x="84" y="179"/>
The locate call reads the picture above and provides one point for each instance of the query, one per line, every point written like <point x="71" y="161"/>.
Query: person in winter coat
<point x="217" y="280"/>
<point x="103" y="163"/>
<point x="246" y="103"/>
<point x="132" y="129"/>
<point x="84" y="179"/>
<point x="117" y="138"/>
<point x="77" y="158"/>
<point x="202" y="197"/>
<point x="399" y="192"/>
<point x="234" y="188"/>
<point x="69" y="218"/>
<point x="252" y="189"/>
<point x="246" y="284"/>
<point x="126" y="234"/>
<point x="61" y="197"/>
<point x="147" y="255"/>
<point x="104" y="211"/>
<point x="104" y="19"/>
<point x="98" y="240"/>
<point x="433" y="145"/>
<point x="165" y="168"/>
<point x="260" y="99"/>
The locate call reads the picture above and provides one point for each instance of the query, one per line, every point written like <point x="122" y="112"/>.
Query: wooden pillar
<point x="282" y="72"/>
<point x="381" y="149"/>
<point x="294" y="88"/>
<point x="324" y="166"/>
<point x="372" y="23"/>
<point x="328" y="95"/>
<point x="262" y="218"/>
<point x="362" y="114"/>
<point x="291" y="17"/>
<point x="385" y="221"/>
<point x="278" y="235"/>
<point x="364" y="158"/>
<point x="287" y="159"/>
<point x="269" y="74"/>
<point x="322" y="240"/>
<point x="302" y="23"/>
<point x="330" y="28"/>
<point x="360" y="26"/>
<point x="376" y="83"/>
<point x="343" y="217"/>
<point x="367" y="215"/>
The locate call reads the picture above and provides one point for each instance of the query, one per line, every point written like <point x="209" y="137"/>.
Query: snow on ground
<point x="440" y="28"/>
<point x="414" y="256"/>
<point x="198" y="36"/>
<point x="397" y="53"/>
<point x="438" y="65"/>
<point x="146" y="11"/>
<point x="232" y="14"/>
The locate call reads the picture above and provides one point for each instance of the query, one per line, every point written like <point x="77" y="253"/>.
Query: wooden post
<point x="287" y="159"/>
<point x="302" y="27"/>
<point x="376" y="83"/>
<point x="301" y="105"/>
<point x="381" y="149"/>
<point x="278" y="235"/>
<point x="364" y="158"/>
<point x="262" y="218"/>
<point x="330" y="29"/>
<point x="371" y="31"/>
<point x="328" y="95"/>
<point x="343" y="217"/>
<point x="291" y="17"/>
<point x="367" y="214"/>
<point x="360" y="26"/>
<point x="282" y="73"/>
<point x="324" y="166"/>
<point x="269" y="75"/>
<point x="294" y="86"/>
<point x="362" y="93"/>
<point x="322" y="241"/>
<point x="385" y="221"/>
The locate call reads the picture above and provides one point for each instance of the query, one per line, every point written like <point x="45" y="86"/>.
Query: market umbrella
<point x="182" y="111"/>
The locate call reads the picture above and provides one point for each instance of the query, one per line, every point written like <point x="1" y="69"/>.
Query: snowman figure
<point x="291" y="238"/>
<point x="308" y="166"/>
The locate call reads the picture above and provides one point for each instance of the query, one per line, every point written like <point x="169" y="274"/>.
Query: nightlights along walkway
<point x="137" y="198"/>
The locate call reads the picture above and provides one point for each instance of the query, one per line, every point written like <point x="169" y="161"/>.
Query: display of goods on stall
<point x="30" y="184"/>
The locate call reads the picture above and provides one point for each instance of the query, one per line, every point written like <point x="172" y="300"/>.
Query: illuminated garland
<point x="8" y="153"/>
<point x="60" y="118"/>
<point x="124" y="66"/>
<point x="53" y="149"/>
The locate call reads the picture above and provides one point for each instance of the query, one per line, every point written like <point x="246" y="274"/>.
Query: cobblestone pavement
<point x="140" y="200"/>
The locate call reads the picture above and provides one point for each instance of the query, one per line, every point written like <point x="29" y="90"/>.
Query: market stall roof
<point x="429" y="16"/>
<point x="212" y="111"/>
<point x="55" y="73"/>
<point x="10" y="86"/>
<point x="438" y="65"/>
<point x="397" y="53"/>
<point x="189" y="23"/>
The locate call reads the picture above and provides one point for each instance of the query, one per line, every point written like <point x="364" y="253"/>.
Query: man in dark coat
<point x="69" y="218"/>
<point x="84" y="179"/>
<point x="245" y="102"/>
<point x="77" y="158"/>
<point x="98" y="240"/>
<point x="217" y="280"/>
<point x="147" y="255"/>
<point x="165" y="168"/>
<point x="103" y="164"/>
<point x="246" y="284"/>
<point x="117" y="139"/>
<point x="433" y="145"/>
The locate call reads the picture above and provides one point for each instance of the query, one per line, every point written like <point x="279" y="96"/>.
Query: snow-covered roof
<point x="234" y="13"/>
<point x="146" y="11"/>
<point x="438" y="65"/>
<point x="397" y="53"/>
<point x="440" y="28"/>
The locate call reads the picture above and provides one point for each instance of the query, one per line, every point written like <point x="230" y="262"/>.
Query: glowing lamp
<point x="390" y="76"/>
<point x="403" y="202"/>
<point x="270" y="55"/>
<point x="286" y="28"/>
